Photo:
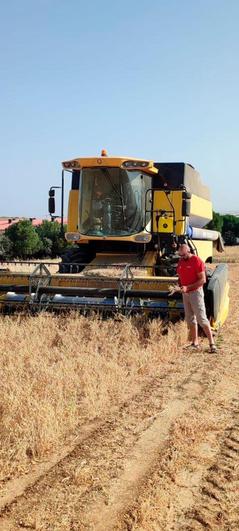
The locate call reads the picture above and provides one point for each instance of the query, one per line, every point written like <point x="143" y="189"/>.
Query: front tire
<point x="75" y="259"/>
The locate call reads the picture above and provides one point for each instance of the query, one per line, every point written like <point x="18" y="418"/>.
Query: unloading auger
<point x="126" y="218"/>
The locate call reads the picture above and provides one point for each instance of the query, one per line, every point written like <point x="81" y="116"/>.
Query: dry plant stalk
<point x="59" y="371"/>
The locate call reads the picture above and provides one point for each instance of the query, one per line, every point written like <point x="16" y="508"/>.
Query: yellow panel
<point x="223" y="310"/>
<point x="77" y="280"/>
<point x="149" y="259"/>
<point x="200" y="207"/>
<point x="204" y="249"/>
<point x="165" y="224"/>
<point x="73" y="210"/>
<point x="162" y="202"/>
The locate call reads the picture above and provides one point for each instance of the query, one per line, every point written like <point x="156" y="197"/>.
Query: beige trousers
<point x="194" y="308"/>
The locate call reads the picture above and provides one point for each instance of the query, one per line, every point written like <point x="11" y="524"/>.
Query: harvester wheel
<point x="73" y="259"/>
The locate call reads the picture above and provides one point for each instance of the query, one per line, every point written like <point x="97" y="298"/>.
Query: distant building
<point x="231" y="213"/>
<point x="5" y="222"/>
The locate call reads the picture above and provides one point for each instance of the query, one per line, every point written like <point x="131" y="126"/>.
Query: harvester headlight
<point x="71" y="164"/>
<point x="72" y="236"/>
<point x="144" y="238"/>
<point x="135" y="164"/>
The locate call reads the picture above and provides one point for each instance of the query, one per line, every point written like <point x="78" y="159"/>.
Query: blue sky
<point x="156" y="79"/>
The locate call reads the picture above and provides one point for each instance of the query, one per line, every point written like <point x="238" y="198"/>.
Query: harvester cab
<point x="126" y="219"/>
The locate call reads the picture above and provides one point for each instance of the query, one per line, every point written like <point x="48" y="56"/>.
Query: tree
<point x="46" y="249"/>
<point x="216" y="223"/>
<point x="50" y="231"/>
<point x="24" y="238"/>
<point x="5" y="247"/>
<point x="230" y="224"/>
<point x="230" y="238"/>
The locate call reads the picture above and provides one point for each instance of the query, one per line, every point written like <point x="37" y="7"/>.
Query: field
<point x="112" y="425"/>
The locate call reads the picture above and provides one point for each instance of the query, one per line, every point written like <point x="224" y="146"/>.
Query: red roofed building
<point x="5" y="223"/>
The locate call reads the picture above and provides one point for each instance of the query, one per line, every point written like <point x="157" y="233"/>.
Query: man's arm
<point x="201" y="280"/>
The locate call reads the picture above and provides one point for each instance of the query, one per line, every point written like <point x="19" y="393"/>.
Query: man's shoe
<point x="191" y="346"/>
<point x="213" y="348"/>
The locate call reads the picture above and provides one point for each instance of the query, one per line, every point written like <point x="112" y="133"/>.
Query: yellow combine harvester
<point x="126" y="218"/>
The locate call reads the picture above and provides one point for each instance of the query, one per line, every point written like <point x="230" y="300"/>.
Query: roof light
<point x="71" y="164"/>
<point x="135" y="164"/>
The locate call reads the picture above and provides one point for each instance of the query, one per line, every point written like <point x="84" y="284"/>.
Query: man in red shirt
<point x="192" y="276"/>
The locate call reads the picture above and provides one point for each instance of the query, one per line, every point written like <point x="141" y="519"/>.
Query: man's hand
<point x="184" y="289"/>
<point x="174" y="288"/>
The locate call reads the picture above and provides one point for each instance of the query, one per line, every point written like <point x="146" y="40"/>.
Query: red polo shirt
<point x="188" y="270"/>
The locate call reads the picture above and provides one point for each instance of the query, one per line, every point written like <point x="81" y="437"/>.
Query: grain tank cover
<point x="178" y="175"/>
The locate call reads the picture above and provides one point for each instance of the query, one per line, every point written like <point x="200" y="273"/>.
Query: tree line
<point x="22" y="240"/>
<point x="228" y="225"/>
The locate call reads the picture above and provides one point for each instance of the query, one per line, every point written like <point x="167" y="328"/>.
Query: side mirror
<point x="51" y="205"/>
<point x="51" y="202"/>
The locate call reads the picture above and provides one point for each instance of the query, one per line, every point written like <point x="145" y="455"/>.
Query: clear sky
<point x="156" y="79"/>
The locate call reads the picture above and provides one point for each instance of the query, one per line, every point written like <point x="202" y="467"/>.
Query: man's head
<point x="98" y="193"/>
<point x="184" y="251"/>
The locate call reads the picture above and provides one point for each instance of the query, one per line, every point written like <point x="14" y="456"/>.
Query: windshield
<point x="112" y="201"/>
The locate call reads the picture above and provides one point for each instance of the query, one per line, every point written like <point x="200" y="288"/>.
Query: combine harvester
<point x="126" y="218"/>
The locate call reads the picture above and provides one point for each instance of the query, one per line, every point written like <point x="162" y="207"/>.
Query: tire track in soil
<point x="16" y="487"/>
<point x="122" y="455"/>
<point x="179" y="497"/>
<point x="187" y="386"/>
<point x="118" y="435"/>
<point x="138" y="469"/>
<point x="124" y="490"/>
<point x="209" y="509"/>
<point x="218" y="505"/>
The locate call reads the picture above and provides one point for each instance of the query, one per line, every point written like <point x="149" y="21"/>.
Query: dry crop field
<point x="111" y="425"/>
<point x="230" y="255"/>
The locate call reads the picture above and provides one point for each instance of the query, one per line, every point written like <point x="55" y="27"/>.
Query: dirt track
<point x="166" y="459"/>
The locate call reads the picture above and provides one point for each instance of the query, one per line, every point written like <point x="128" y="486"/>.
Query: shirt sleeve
<point x="199" y="265"/>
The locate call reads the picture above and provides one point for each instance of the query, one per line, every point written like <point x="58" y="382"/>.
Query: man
<point x="191" y="272"/>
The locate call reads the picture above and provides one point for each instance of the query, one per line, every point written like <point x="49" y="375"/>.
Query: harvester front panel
<point x="131" y="291"/>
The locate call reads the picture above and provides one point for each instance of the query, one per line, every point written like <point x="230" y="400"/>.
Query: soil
<point x="166" y="459"/>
